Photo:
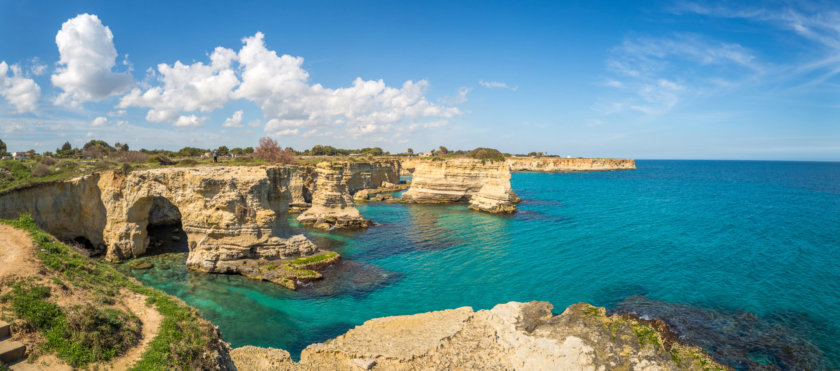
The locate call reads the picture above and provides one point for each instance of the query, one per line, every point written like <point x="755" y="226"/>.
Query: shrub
<point x="103" y="165"/>
<point x="161" y="159"/>
<point x="126" y="167"/>
<point x="67" y="164"/>
<point x="134" y="156"/>
<point x="486" y="154"/>
<point x="187" y="162"/>
<point x="91" y="334"/>
<point x="41" y="170"/>
<point x="49" y="161"/>
<point x="268" y="150"/>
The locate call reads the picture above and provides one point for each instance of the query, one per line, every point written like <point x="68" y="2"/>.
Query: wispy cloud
<point x="812" y="22"/>
<point x="496" y="85"/>
<point x="653" y="74"/>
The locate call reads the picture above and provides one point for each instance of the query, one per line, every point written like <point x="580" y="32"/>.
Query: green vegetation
<point x="592" y="311"/>
<point x="184" y="340"/>
<point x="645" y="334"/>
<point x="691" y="356"/>
<point x="486" y="154"/>
<point x="79" y="336"/>
<point x="313" y="259"/>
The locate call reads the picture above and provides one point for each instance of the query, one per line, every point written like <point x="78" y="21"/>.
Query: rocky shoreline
<point x="512" y="336"/>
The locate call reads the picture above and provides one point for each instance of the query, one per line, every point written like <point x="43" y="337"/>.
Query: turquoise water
<point x="749" y="250"/>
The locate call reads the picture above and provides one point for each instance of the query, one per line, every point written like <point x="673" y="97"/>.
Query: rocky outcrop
<point x="408" y="164"/>
<point x="235" y="218"/>
<point x="512" y="336"/>
<point x="484" y="184"/>
<point x="332" y="204"/>
<point x="369" y="175"/>
<point x="559" y="165"/>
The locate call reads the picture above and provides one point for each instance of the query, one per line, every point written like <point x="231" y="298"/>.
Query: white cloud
<point x="189" y="121"/>
<point x="815" y="23"/>
<point x="21" y="92"/>
<point x="652" y="75"/>
<point x="37" y="68"/>
<point x="87" y="54"/>
<point x="100" y="121"/>
<point x="459" y="98"/>
<point x="122" y="123"/>
<point x="279" y="85"/>
<point x="234" y="121"/>
<point x="496" y="84"/>
<point x="195" y="87"/>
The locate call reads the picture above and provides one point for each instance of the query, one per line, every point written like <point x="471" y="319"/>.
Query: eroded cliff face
<point x="332" y="204"/>
<point x="370" y="175"/>
<point x="512" y="336"/>
<point x="235" y="218"/>
<point x="559" y="165"/>
<point x="484" y="184"/>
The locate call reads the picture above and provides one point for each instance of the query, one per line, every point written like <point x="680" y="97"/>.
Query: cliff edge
<point x="512" y="336"/>
<point x="484" y="184"/>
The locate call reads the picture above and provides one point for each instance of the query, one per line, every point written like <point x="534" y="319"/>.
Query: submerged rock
<point x="739" y="339"/>
<point x="512" y="336"/>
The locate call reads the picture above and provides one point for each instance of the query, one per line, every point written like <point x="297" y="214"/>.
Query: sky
<point x="656" y="79"/>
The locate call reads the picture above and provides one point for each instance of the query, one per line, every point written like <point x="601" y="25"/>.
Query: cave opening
<point x="166" y="232"/>
<point x="82" y="245"/>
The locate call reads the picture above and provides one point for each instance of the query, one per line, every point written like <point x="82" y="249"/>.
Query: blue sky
<point x="669" y="79"/>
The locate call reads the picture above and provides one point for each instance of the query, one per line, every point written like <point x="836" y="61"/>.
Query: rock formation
<point x="235" y="218"/>
<point x="368" y="175"/>
<point x="512" y="336"/>
<point x="485" y="184"/>
<point x="332" y="205"/>
<point x="558" y="165"/>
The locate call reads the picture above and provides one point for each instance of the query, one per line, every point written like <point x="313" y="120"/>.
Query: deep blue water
<point x="737" y="251"/>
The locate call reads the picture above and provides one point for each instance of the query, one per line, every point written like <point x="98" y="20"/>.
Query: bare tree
<point x="268" y="150"/>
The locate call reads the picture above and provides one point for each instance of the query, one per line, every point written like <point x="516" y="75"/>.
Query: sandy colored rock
<point x="484" y="184"/>
<point x="512" y="336"/>
<point x="559" y="165"/>
<point x="332" y="204"/>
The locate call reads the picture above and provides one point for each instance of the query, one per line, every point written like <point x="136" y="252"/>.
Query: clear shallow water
<point x="745" y="245"/>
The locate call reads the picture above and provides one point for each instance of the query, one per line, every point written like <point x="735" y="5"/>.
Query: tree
<point x="268" y="150"/>
<point x="121" y="146"/>
<point x="248" y="150"/>
<point x="486" y="154"/>
<point x="223" y="151"/>
<point x="66" y="147"/>
<point x="2" y="148"/>
<point x="444" y="150"/>
<point x="237" y="151"/>
<point x="410" y="151"/>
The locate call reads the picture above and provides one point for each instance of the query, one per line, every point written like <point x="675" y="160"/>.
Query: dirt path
<point x="17" y="254"/>
<point x="150" y="317"/>
<point x="18" y="260"/>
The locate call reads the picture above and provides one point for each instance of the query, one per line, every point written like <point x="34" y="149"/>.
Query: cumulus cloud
<point x="100" y="121"/>
<point x="195" y="87"/>
<point x="86" y="47"/>
<point x="234" y="121"/>
<point x="21" y="92"/>
<point x="189" y="121"/>
<point x="280" y="86"/>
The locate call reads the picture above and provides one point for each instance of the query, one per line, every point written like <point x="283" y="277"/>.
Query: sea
<point x="741" y="258"/>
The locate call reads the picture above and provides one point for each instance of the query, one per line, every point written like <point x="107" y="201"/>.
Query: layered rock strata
<point x="369" y="175"/>
<point x="234" y="217"/>
<point x="332" y="205"/>
<point x="559" y="165"/>
<point x="484" y="184"/>
<point x="512" y="336"/>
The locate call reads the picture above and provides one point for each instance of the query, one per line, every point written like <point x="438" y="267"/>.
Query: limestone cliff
<point x="484" y="184"/>
<point x="557" y="164"/>
<point x="332" y="204"/>
<point x="370" y="175"/>
<point x="512" y="336"/>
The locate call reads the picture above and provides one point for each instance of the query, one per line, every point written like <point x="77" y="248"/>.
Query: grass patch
<point x="300" y="273"/>
<point x="184" y="340"/>
<point x="592" y="311"/>
<point x="645" y="334"/>
<point x="313" y="259"/>
<point x="81" y="335"/>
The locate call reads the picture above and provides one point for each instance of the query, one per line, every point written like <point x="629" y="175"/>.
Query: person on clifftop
<point x="215" y="156"/>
